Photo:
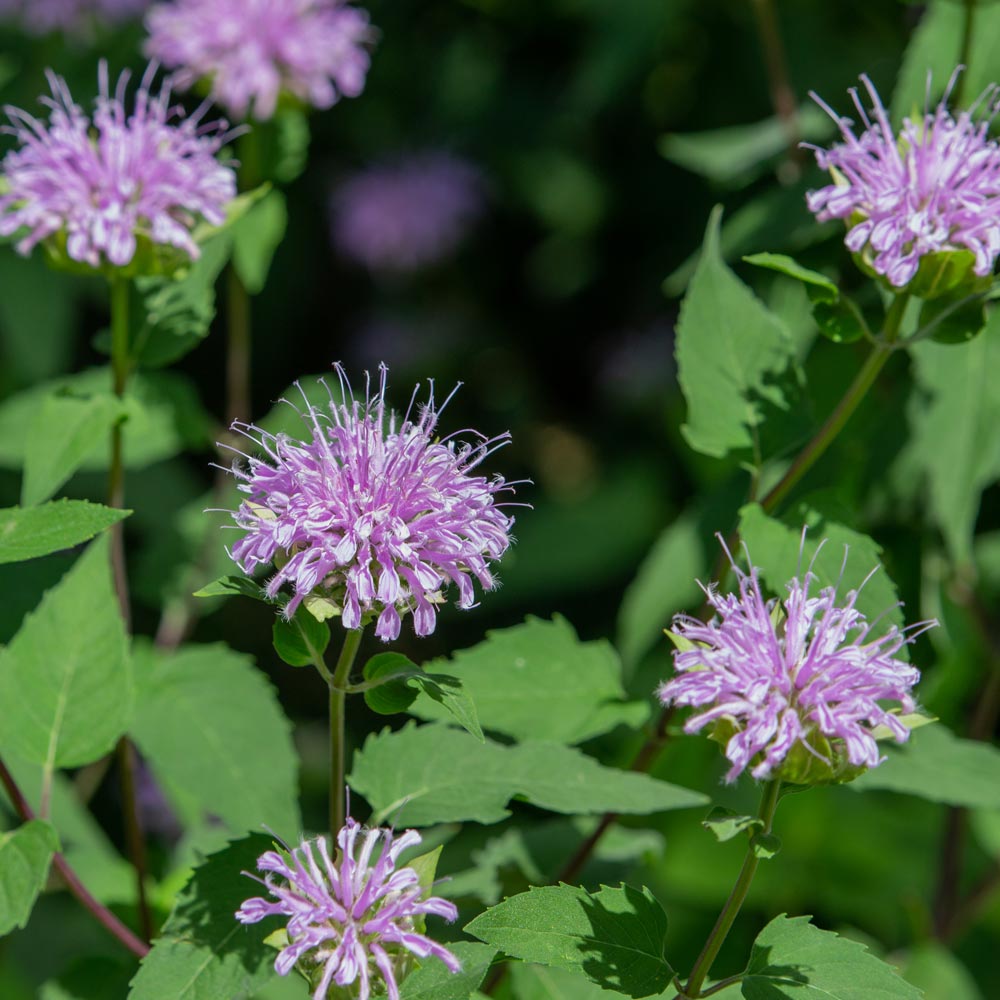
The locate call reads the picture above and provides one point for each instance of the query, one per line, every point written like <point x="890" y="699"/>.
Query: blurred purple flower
<point x="376" y="516"/>
<point x="354" y="918"/>
<point x="108" y="183"/>
<point x="931" y="188"/>
<point x="252" y="51"/>
<point x="403" y="216"/>
<point x="803" y="675"/>
<point x="74" y="16"/>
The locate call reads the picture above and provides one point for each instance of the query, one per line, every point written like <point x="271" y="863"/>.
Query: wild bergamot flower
<point x="932" y="188"/>
<point x="371" y="513"/>
<point x="354" y="919"/>
<point x="101" y="189"/>
<point x="250" y="52"/>
<point x="793" y="687"/>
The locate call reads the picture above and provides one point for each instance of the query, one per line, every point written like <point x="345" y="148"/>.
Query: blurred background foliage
<point x="604" y="133"/>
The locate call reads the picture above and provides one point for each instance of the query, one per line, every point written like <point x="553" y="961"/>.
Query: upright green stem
<point x="844" y="410"/>
<point x="768" y="804"/>
<point x="121" y="364"/>
<point x="338" y="699"/>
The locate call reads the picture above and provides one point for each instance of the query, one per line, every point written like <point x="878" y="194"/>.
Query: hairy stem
<point x="768" y="804"/>
<point x="100" y="913"/>
<point x="338" y="700"/>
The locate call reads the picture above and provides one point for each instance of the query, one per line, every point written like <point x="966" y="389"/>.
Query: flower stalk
<point x="338" y="701"/>
<point x="768" y="805"/>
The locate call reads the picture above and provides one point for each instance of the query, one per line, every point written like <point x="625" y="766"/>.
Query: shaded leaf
<point x="203" y="953"/>
<point x="433" y="981"/>
<point x="256" y="237"/>
<point x="301" y="641"/>
<point x="615" y="937"/>
<point x="25" y="856"/>
<point x="227" y="586"/>
<point x="726" y="824"/>
<point x="52" y="527"/>
<point x="793" y="958"/>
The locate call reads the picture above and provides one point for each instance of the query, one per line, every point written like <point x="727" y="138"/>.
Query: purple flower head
<point x="376" y="515"/>
<point x="73" y="16"/>
<point x="356" y="919"/>
<point x="406" y="215"/>
<point x="102" y="188"/>
<point x="932" y="188"/>
<point x="252" y="51"/>
<point x="793" y="687"/>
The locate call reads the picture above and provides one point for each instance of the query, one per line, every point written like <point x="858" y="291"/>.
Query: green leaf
<point x="935" y="764"/>
<point x="539" y="681"/>
<point x="735" y="155"/>
<point x="163" y="418"/>
<point x="954" y="319"/>
<point x="730" y="348"/>
<point x="665" y="584"/>
<point x="172" y="315"/>
<point x="64" y="431"/>
<point x="435" y="774"/>
<point x="25" y="855"/>
<point x="227" y="586"/>
<point x="956" y="430"/>
<point x="86" y="847"/>
<point x="792" y="958"/>
<point x="775" y="548"/>
<point x="233" y="755"/>
<point x="301" y="641"/>
<point x="540" y="982"/>
<point x="765" y="845"/>
<point x="433" y="981"/>
<point x="94" y="978"/>
<point x="936" y="47"/>
<point x="614" y="936"/>
<point x="255" y="238"/>
<point x="786" y="265"/>
<point x="932" y="968"/>
<point x="69" y="669"/>
<point x="38" y="313"/>
<point x="393" y="696"/>
<point x="203" y="953"/>
<point x="726" y="824"/>
<point x="284" y="144"/>
<point x="52" y="527"/>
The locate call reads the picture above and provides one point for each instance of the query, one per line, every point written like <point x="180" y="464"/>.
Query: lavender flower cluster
<point x="252" y="52"/>
<point x="351" y="920"/>
<point x="373" y="512"/>
<point x="106" y="184"/>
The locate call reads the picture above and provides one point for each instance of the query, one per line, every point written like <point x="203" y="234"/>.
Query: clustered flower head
<point x="41" y="16"/>
<point x="933" y="187"/>
<point x="408" y="214"/>
<point x="252" y="51"/>
<point x="105" y="185"/>
<point x="375" y="514"/>
<point x="351" y="920"/>
<point x="792" y="684"/>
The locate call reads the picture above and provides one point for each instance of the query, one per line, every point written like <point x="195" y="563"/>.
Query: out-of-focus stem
<point x="338" y="700"/>
<point x="101" y="913"/>
<point x="782" y="94"/>
<point x="965" y="52"/>
<point x="121" y="364"/>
